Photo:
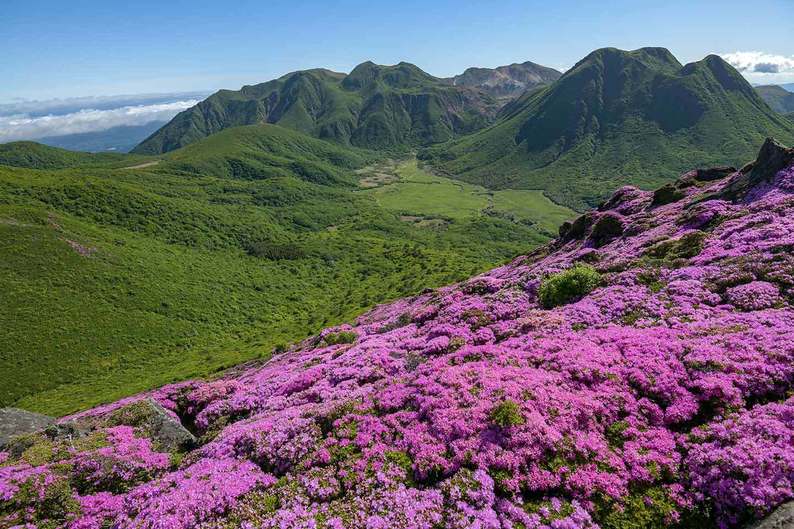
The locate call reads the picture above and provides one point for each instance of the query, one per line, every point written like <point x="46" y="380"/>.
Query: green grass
<point x="533" y="206"/>
<point x="117" y="280"/>
<point x="418" y="193"/>
<point x="421" y="197"/>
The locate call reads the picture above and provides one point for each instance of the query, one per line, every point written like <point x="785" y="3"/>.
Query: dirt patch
<point x="142" y="165"/>
<point x="377" y="180"/>
<point x="85" y="251"/>
<point x="424" y="222"/>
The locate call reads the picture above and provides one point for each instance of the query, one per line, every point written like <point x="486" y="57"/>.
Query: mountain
<point x="616" y="117"/>
<point x="777" y="97"/>
<point x="636" y="372"/>
<point x="377" y="107"/>
<point x="506" y="82"/>
<point x="788" y="86"/>
<point x="118" y="139"/>
<point x="125" y="272"/>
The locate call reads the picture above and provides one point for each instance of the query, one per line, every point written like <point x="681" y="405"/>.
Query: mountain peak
<point x="400" y="75"/>
<point x="617" y="112"/>
<point x="506" y="82"/>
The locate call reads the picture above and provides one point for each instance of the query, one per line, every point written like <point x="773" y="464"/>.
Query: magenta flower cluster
<point x="664" y="393"/>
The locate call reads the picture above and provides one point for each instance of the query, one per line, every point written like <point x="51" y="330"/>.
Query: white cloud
<point x="762" y="67"/>
<point x="30" y="125"/>
<point x="35" y="108"/>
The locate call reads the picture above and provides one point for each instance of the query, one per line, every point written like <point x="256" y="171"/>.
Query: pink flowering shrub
<point x="754" y="296"/>
<point x="745" y="462"/>
<point x="651" y="393"/>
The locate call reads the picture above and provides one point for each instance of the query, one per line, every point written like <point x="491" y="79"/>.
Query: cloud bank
<point x="30" y="120"/>
<point x="762" y="67"/>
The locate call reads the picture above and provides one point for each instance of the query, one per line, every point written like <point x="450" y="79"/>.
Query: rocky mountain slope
<point x="506" y="82"/>
<point x="616" y="117"/>
<point x="778" y="98"/>
<point x="380" y="107"/>
<point x="637" y="372"/>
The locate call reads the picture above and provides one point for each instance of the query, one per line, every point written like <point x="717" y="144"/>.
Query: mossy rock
<point x="686" y="247"/>
<point x="152" y="420"/>
<point x="607" y="228"/>
<point x="15" y="422"/>
<point x="667" y="194"/>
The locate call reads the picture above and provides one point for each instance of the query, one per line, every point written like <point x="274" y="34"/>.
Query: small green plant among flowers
<point x="569" y="285"/>
<point x="507" y="413"/>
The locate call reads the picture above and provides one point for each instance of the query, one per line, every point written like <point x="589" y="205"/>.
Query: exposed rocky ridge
<point x="635" y="373"/>
<point x="506" y="82"/>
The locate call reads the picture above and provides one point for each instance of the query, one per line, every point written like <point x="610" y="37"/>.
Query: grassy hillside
<point x="118" y="279"/>
<point x="778" y="98"/>
<point x="379" y="107"/>
<point x="615" y="118"/>
<point x="37" y="156"/>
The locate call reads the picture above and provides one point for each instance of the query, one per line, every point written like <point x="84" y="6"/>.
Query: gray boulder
<point x="780" y="518"/>
<point x="15" y="422"/>
<point x="152" y="419"/>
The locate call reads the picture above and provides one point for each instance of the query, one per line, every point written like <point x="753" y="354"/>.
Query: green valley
<point x="123" y="274"/>
<point x="431" y="200"/>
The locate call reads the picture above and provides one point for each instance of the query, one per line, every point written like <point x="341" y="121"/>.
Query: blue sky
<point x="98" y="47"/>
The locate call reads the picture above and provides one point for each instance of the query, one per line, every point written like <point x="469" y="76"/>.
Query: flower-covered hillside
<point x="636" y="373"/>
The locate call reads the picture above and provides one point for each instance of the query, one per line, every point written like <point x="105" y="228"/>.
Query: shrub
<point x="507" y="413"/>
<point x="667" y="194"/>
<point x="568" y="285"/>
<point x="336" y="338"/>
<point x="274" y="251"/>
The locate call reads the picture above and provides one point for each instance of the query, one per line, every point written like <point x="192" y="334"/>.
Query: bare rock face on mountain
<point x="506" y="82"/>
<point x="15" y="422"/>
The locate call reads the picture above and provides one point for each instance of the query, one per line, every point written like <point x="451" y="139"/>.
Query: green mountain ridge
<point x="617" y="117"/>
<point x="778" y="98"/>
<point x="379" y="107"/>
<point x="33" y="155"/>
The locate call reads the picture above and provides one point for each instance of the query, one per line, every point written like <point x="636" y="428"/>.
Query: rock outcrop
<point x="15" y="422"/>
